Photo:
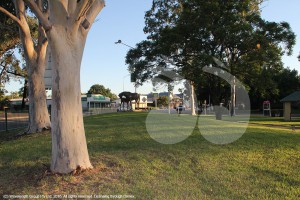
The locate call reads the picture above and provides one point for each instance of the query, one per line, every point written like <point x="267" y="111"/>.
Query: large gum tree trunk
<point x="69" y="148"/>
<point x="35" y="61"/>
<point x="39" y="117"/>
<point x="67" y="23"/>
<point x="38" y="113"/>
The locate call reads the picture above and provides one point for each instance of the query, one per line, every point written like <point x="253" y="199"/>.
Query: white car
<point x="180" y="108"/>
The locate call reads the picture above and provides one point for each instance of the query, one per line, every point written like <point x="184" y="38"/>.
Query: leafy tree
<point x="4" y="102"/>
<point x="100" y="89"/>
<point x="34" y="51"/>
<point x="226" y="34"/>
<point x="163" y="101"/>
<point x="273" y="85"/>
<point x="9" y="37"/>
<point x="10" y="68"/>
<point x="2" y="93"/>
<point x="287" y="81"/>
<point x="9" y="41"/>
<point x="167" y="78"/>
<point x="14" y="95"/>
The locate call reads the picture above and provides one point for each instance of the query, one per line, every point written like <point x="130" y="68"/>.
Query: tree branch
<point x="4" y="47"/>
<point x="82" y="8"/>
<point x="39" y="14"/>
<point x="15" y="74"/>
<point x="3" y="26"/>
<point x="4" y="69"/>
<point x="72" y="6"/>
<point x="39" y="4"/>
<point x="93" y="11"/>
<point x="58" y="9"/>
<point x="42" y="44"/>
<point x="13" y="17"/>
<point x="25" y="33"/>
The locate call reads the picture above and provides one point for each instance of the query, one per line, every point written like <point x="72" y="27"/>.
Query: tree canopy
<point x="100" y="89"/>
<point x="10" y="44"/>
<point x="226" y="34"/>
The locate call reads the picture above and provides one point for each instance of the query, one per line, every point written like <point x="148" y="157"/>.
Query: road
<point x="15" y="120"/>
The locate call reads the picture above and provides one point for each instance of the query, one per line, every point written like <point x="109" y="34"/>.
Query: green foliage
<point x="2" y="93"/>
<point x="288" y="81"/>
<point x="14" y="95"/>
<point x="193" y="34"/>
<point x="163" y="101"/>
<point x="10" y="68"/>
<point x="9" y="37"/>
<point x="100" y="89"/>
<point x="10" y="44"/>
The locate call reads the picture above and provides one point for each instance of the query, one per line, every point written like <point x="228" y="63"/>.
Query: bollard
<point x="6" y="125"/>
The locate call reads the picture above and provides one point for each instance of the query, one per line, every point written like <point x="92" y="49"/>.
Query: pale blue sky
<point x="104" y="61"/>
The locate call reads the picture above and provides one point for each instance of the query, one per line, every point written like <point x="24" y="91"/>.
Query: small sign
<point x="98" y="98"/>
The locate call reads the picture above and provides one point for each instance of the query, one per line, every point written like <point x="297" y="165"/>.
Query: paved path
<point x="15" y="120"/>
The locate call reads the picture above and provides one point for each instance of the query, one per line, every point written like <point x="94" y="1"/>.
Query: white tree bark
<point x="38" y="112"/>
<point x="233" y="97"/>
<point x="192" y="96"/>
<point x="67" y="26"/>
<point x="69" y="149"/>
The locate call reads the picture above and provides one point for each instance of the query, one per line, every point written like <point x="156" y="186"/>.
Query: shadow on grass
<point x="11" y="135"/>
<point x="277" y="175"/>
<point x="121" y="144"/>
<point x="13" y="180"/>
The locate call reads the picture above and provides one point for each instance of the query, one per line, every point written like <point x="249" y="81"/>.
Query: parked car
<point x="180" y="108"/>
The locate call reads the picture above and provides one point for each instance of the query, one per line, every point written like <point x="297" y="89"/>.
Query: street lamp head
<point x="118" y="42"/>
<point x="258" y="45"/>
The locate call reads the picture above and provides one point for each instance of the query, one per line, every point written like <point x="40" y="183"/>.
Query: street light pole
<point x="123" y="81"/>
<point x="120" y="42"/>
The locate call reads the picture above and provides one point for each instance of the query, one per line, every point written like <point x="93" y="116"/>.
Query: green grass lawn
<point x="263" y="164"/>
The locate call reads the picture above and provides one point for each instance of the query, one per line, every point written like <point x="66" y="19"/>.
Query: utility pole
<point x="120" y="42"/>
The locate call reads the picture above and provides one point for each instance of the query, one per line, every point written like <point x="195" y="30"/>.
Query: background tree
<point x="100" y="89"/>
<point x="14" y="95"/>
<point x="34" y="53"/>
<point x="287" y="81"/>
<point x="9" y="37"/>
<point x="67" y="23"/>
<point x="168" y="79"/>
<point x="2" y="93"/>
<point x="194" y="34"/>
<point x="9" y="41"/>
<point x="163" y="101"/>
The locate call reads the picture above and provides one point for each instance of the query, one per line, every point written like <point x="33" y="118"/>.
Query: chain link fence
<point x="11" y="119"/>
<point x="98" y="111"/>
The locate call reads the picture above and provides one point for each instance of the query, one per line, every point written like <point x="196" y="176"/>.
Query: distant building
<point x="17" y="103"/>
<point x="176" y="99"/>
<point x="90" y="101"/>
<point x="95" y="101"/>
<point x="143" y="102"/>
